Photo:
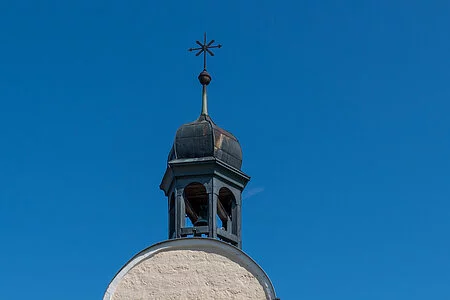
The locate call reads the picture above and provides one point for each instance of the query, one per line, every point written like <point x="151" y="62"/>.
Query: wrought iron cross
<point x="204" y="48"/>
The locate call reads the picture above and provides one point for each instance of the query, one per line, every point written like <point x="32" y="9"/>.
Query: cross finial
<point x="204" y="48"/>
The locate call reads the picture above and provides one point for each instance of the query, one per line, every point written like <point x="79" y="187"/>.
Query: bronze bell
<point x="202" y="216"/>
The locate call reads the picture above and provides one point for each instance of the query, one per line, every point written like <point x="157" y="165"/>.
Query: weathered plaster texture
<point x="188" y="274"/>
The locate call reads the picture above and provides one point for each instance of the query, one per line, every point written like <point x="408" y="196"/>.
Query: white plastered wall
<point x="190" y="269"/>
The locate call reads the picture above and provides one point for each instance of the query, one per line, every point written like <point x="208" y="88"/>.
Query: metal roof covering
<point x="203" y="138"/>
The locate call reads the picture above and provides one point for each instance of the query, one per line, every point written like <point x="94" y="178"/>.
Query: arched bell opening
<point x="196" y="204"/>
<point x="172" y="216"/>
<point x="226" y="211"/>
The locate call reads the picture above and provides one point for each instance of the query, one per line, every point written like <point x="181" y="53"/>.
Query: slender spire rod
<point x="204" y="76"/>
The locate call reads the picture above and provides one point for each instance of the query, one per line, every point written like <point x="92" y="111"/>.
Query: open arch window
<point x="196" y="204"/>
<point x="226" y="210"/>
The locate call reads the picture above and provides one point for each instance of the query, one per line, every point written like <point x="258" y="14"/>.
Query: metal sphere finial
<point x="204" y="78"/>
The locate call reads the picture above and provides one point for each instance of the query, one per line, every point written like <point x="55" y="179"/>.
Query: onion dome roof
<point x="203" y="138"/>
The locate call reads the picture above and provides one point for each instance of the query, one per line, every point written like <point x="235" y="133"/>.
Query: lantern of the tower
<point x="204" y="183"/>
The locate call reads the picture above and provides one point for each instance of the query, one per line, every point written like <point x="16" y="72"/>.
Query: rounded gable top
<point x="191" y="268"/>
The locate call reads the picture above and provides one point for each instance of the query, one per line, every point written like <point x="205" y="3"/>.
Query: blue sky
<point x="341" y="109"/>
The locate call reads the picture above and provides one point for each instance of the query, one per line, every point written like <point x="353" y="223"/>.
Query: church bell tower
<point x="203" y="257"/>
<point x="203" y="181"/>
